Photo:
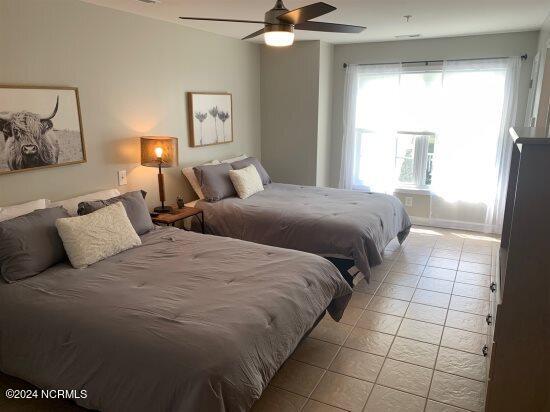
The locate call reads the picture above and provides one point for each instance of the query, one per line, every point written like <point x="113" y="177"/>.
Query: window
<point x="422" y="127"/>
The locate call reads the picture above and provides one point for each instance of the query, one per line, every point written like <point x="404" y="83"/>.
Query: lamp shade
<point x="153" y="146"/>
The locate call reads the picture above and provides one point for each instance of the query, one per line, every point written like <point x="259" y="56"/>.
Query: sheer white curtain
<point x="479" y="101"/>
<point x="369" y="113"/>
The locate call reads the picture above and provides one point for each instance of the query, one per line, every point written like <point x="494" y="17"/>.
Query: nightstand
<point x="170" y="219"/>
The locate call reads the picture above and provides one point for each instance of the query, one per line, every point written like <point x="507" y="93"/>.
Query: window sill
<point x="413" y="191"/>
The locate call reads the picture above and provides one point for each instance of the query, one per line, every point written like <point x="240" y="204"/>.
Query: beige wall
<point x="132" y="73"/>
<point x="324" y="117"/>
<point x="290" y="101"/>
<point x="542" y="98"/>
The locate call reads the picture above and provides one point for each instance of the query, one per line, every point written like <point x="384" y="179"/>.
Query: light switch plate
<point x="122" y="178"/>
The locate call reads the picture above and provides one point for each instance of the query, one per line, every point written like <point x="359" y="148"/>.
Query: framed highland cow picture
<point x="39" y="127"/>
<point x="210" y="117"/>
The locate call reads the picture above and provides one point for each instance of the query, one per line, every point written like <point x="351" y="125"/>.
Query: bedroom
<point x="133" y="65"/>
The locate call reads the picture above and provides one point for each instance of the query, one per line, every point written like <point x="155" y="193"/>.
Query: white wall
<point x="498" y="45"/>
<point x="132" y="73"/>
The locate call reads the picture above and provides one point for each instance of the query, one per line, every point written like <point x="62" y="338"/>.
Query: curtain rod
<point x="523" y="57"/>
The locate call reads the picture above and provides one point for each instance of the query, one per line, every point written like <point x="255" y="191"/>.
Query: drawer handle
<point x="489" y="319"/>
<point x="493" y="286"/>
<point x="485" y="350"/>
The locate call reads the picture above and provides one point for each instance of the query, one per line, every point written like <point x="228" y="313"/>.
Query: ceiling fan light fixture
<point x="279" y="36"/>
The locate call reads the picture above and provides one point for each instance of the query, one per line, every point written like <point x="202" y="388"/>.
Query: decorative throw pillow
<point x="10" y="212"/>
<point x="71" y="205"/>
<point x="94" y="237"/>
<point x="215" y="182"/>
<point x="133" y="202"/>
<point x="253" y="161"/>
<point x="29" y="244"/>
<point x="247" y="181"/>
<point x="234" y="159"/>
<point x="189" y="173"/>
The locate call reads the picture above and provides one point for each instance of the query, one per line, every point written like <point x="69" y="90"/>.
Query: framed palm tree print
<point x="210" y="117"/>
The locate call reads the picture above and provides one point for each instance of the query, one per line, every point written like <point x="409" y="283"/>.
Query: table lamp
<point x="161" y="152"/>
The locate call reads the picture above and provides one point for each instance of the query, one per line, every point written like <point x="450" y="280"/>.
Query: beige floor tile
<point x="435" y="285"/>
<point x="419" y="259"/>
<point x="402" y="279"/>
<point x="314" y="406"/>
<point x="297" y="377"/>
<point x="466" y="321"/>
<point x="473" y="278"/>
<point x="360" y="300"/>
<point x="428" y="297"/>
<point x="443" y="263"/>
<point x="412" y="351"/>
<point x="417" y="251"/>
<point x="482" y="250"/>
<point x="471" y="291"/>
<point x="363" y="287"/>
<point x="470" y="305"/>
<point x="458" y="391"/>
<point x="383" y="399"/>
<point x="406" y="377"/>
<point x="433" y="406"/>
<point x="461" y="363"/>
<point x="369" y="341"/>
<point x="342" y="391"/>
<point x="456" y="246"/>
<point x="446" y="254"/>
<point x="426" y="313"/>
<point x="391" y="254"/>
<point x="408" y="268"/>
<point x="379" y="322"/>
<point x="422" y="331"/>
<point x="475" y="267"/>
<point x="395" y="291"/>
<point x="278" y="400"/>
<point x="315" y="352"/>
<point x="463" y="340"/>
<point x="439" y="273"/>
<point x="351" y="315"/>
<point x="475" y="257"/>
<point x="358" y="364"/>
<point x="331" y="331"/>
<point x="387" y="305"/>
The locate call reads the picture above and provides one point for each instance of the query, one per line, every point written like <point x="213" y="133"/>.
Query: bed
<point x="185" y="322"/>
<point x="335" y="223"/>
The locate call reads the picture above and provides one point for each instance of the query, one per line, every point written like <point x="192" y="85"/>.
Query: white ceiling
<point x="383" y="18"/>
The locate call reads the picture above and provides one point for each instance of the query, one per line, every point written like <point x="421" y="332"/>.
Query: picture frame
<point x="40" y="127"/>
<point x="210" y="118"/>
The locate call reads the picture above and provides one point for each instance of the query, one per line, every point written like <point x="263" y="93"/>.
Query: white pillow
<point x="247" y="181"/>
<point x="11" y="212"/>
<point x="189" y="173"/>
<point x="71" y="205"/>
<point x="234" y="159"/>
<point x="90" y="238"/>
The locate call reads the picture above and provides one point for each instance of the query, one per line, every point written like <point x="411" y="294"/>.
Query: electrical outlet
<point x="408" y="201"/>
<point x="122" y="178"/>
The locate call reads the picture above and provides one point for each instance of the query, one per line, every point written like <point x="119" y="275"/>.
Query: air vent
<point x="150" y="1"/>
<point x="407" y="36"/>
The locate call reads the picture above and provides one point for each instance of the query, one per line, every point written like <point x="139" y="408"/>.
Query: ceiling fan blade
<point x="305" y="13"/>
<point x="256" y="33"/>
<point x="329" y="27"/>
<point x="226" y="20"/>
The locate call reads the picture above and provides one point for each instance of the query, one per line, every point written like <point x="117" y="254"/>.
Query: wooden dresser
<point x="518" y="347"/>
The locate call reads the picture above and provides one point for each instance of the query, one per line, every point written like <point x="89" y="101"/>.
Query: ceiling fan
<point x="279" y="23"/>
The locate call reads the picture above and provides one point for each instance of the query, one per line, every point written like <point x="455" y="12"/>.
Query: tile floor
<point x="409" y="341"/>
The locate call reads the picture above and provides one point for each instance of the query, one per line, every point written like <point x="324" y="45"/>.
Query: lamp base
<point x="163" y="209"/>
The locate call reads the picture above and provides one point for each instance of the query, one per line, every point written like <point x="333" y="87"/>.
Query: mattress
<point x="186" y="322"/>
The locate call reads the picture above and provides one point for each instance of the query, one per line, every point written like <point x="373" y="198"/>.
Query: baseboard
<point x="454" y="224"/>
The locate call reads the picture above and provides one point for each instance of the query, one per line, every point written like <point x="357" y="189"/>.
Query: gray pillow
<point x="133" y="202"/>
<point x="214" y="181"/>
<point x="241" y="164"/>
<point x="30" y="244"/>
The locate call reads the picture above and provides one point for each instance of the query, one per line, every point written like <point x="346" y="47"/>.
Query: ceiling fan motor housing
<point x="274" y="23"/>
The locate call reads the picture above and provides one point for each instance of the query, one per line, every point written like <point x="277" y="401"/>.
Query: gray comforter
<point x="328" y="222"/>
<point x="185" y="322"/>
